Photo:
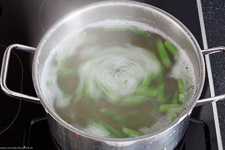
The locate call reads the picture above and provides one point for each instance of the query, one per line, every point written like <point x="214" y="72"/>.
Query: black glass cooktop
<point x="214" y="21"/>
<point x="23" y="123"/>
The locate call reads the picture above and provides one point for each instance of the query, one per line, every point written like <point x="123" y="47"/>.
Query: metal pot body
<point x="69" y="140"/>
<point x="67" y="136"/>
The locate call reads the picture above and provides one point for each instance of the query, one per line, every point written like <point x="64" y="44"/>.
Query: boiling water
<point x="111" y="80"/>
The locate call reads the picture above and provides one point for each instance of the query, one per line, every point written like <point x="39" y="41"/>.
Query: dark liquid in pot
<point x="119" y="80"/>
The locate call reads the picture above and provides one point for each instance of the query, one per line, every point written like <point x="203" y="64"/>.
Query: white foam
<point x="162" y="121"/>
<point x="125" y="23"/>
<point x="91" y="129"/>
<point x="182" y="61"/>
<point x="183" y="68"/>
<point x="180" y="67"/>
<point x="67" y="47"/>
<point x="51" y="91"/>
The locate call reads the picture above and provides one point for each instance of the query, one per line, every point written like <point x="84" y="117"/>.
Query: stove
<point x="23" y="125"/>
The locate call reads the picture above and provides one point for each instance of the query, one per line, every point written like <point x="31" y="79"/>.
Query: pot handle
<point x="4" y="71"/>
<point x="219" y="97"/>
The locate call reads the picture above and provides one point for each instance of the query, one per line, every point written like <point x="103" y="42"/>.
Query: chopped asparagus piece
<point x="163" y="54"/>
<point x="95" y="124"/>
<point x="135" y="100"/>
<point x="175" y="99"/>
<point x="131" y="133"/>
<point x="161" y="93"/>
<point x="109" y="128"/>
<point x="136" y="30"/>
<point x="172" y="116"/>
<point x="112" y="130"/>
<point x="181" y="97"/>
<point x="90" y="39"/>
<point x="181" y="85"/>
<point x="150" y="92"/>
<point x="160" y="75"/>
<point x="166" y="107"/>
<point x="112" y="114"/>
<point x="148" y="80"/>
<point x="171" y="48"/>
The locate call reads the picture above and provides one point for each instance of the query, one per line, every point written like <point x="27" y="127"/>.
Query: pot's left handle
<point x="4" y="71"/>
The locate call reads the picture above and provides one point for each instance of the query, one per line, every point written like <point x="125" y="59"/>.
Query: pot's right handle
<point x="219" y="97"/>
<point x="4" y="71"/>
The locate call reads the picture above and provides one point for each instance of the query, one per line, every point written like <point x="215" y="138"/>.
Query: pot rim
<point x="143" y="6"/>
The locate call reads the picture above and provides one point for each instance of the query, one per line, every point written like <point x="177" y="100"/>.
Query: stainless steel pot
<point x="67" y="136"/>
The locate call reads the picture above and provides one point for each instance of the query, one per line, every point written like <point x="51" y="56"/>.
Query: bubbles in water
<point x="108" y="72"/>
<point x="101" y="132"/>
<point x="118" y="71"/>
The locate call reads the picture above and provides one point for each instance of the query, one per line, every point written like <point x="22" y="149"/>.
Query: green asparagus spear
<point x="131" y="133"/>
<point x="109" y="128"/>
<point x="171" y="48"/>
<point x="135" y="100"/>
<point x="112" y="130"/>
<point x="161" y="93"/>
<point x="95" y="124"/>
<point x="90" y="39"/>
<point x="181" y="85"/>
<point x="136" y="30"/>
<point x="166" y="107"/>
<point x="150" y="92"/>
<point x="112" y="114"/>
<point x="148" y="80"/>
<point x="163" y="54"/>
<point x="181" y="97"/>
<point x="175" y="99"/>
<point x="160" y="75"/>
